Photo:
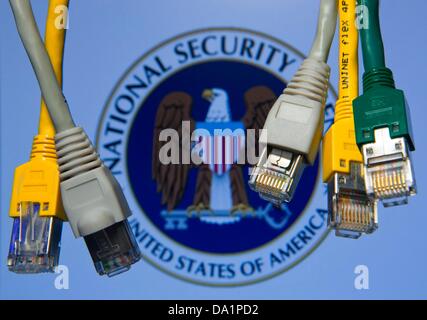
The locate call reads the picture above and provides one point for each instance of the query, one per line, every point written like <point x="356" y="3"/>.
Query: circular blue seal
<point x="199" y="221"/>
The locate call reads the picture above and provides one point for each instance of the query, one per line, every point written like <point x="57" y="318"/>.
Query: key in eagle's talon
<point x="198" y="209"/>
<point x="243" y="209"/>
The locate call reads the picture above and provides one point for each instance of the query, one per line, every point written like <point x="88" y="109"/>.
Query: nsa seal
<point x="195" y="218"/>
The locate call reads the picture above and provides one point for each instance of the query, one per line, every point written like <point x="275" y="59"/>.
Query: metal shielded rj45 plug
<point x="389" y="172"/>
<point x="383" y="133"/>
<point x="277" y="174"/>
<point x="382" y="122"/>
<point x="92" y="198"/>
<point x="294" y="126"/>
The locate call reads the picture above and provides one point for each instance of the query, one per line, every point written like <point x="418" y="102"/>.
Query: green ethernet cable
<point x="382" y="120"/>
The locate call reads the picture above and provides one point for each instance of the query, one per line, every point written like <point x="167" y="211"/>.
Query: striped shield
<point x="220" y="147"/>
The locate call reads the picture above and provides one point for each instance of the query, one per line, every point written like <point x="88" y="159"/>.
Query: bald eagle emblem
<point x="220" y="192"/>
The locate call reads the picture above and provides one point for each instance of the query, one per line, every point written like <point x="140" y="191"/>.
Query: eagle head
<point x="219" y="109"/>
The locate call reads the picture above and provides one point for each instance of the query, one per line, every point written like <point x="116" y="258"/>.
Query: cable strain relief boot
<point x="92" y="197"/>
<point x="310" y="81"/>
<point x="343" y="109"/>
<point x="378" y="77"/>
<point x="43" y="147"/>
<point x="75" y="152"/>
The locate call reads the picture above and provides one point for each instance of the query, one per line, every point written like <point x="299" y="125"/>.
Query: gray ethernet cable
<point x="93" y="200"/>
<point x="293" y="128"/>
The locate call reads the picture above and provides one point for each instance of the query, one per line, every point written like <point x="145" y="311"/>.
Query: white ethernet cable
<point x="293" y="129"/>
<point x="93" y="200"/>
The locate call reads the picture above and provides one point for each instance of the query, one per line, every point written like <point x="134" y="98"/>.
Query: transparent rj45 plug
<point x="35" y="242"/>
<point x="351" y="211"/>
<point x="113" y="249"/>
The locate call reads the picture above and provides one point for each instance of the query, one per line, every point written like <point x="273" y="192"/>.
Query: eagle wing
<point x="171" y="179"/>
<point x="258" y="100"/>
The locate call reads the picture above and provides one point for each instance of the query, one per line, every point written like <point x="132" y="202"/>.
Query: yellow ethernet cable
<point x="54" y="42"/>
<point x="350" y="211"/>
<point x="36" y="206"/>
<point x="93" y="201"/>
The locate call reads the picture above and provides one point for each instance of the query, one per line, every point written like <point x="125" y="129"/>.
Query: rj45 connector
<point x="95" y="205"/>
<point x="388" y="170"/>
<point x="35" y="242"/>
<point x="352" y="212"/>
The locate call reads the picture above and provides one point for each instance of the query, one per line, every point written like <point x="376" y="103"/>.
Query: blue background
<point x="105" y="37"/>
